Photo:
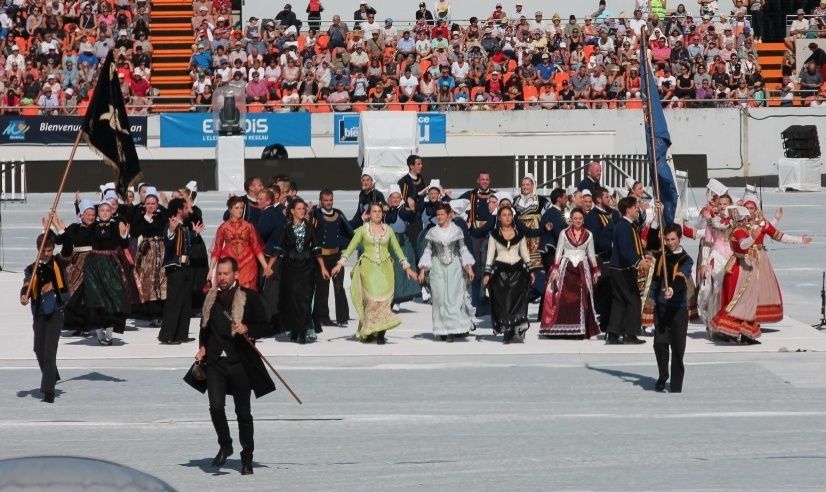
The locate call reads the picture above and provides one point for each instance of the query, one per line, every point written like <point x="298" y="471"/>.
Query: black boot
<point x="450" y="338"/>
<point x="221" y="458"/>
<point x="380" y="340"/>
<point x="660" y="386"/>
<point x="612" y="339"/>
<point x="246" y="466"/>
<point x="48" y="397"/>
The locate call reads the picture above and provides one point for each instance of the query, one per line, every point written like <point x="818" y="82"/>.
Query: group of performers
<point x="587" y="255"/>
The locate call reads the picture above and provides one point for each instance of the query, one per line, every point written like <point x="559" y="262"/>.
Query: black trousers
<point x="671" y="330"/>
<point x="602" y="297"/>
<point x="321" y="306"/>
<point x="626" y="305"/>
<point x="46" y="337"/>
<point x="177" y="309"/>
<point x="223" y="377"/>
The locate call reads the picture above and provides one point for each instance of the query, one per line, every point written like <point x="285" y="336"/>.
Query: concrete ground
<point x="418" y="414"/>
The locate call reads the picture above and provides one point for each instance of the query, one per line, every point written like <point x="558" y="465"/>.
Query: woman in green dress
<point x="371" y="290"/>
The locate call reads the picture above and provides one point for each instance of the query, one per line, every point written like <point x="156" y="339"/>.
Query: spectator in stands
<point x="818" y="57"/>
<point x="139" y="91"/>
<point x="361" y="14"/>
<point x="424" y="15"/>
<point x="810" y="80"/>
<point x="48" y="101"/>
<point x="798" y="30"/>
<point x="339" y="99"/>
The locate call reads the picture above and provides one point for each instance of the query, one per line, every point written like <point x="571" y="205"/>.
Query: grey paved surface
<point x="422" y="415"/>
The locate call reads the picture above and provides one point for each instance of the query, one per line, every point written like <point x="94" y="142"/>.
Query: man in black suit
<point x="413" y="190"/>
<point x="49" y="294"/>
<point x="626" y="257"/>
<point x="271" y="223"/>
<point x="593" y="173"/>
<point x="671" y="313"/>
<point x="178" y="238"/>
<point x="551" y="225"/>
<point x="252" y="186"/>
<point x="231" y="316"/>
<point x="334" y="233"/>
<point x="600" y="223"/>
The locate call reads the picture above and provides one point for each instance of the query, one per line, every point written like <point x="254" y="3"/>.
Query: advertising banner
<point x="432" y="128"/>
<point x="261" y="129"/>
<point x="55" y="130"/>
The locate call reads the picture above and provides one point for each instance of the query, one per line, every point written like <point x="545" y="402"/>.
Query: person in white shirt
<point x="224" y="71"/>
<point x="370" y="26"/>
<point x="408" y="83"/>
<point x="15" y="57"/>
<point x="538" y="22"/>
<point x="517" y="13"/>
<point x="637" y="23"/>
<point x="460" y="68"/>
<point x="389" y="31"/>
<point x="800" y="27"/>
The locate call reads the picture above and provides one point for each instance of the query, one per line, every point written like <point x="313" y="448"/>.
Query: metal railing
<point x="437" y="106"/>
<point x="13" y="181"/>
<point x="561" y="171"/>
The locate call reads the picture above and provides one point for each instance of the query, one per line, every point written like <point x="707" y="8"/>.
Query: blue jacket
<point x="177" y="246"/>
<point x="332" y="231"/>
<point x="270" y="223"/>
<point x="600" y="223"/>
<point x="627" y="246"/>
<point x="679" y="267"/>
<point x="548" y="239"/>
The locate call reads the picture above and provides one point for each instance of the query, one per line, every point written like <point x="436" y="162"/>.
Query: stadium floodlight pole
<point x="652" y="158"/>
<point x="53" y="210"/>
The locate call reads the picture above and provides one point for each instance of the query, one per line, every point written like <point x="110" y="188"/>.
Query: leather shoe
<point x="48" y="397"/>
<point x="246" y="467"/>
<point x="660" y="386"/>
<point x="221" y="458"/>
<point x="632" y="340"/>
<point x="612" y="339"/>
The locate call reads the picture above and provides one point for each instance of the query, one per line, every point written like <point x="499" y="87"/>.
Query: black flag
<point x="106" y="128"/>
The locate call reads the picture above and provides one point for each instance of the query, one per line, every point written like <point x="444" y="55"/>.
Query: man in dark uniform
<point x="333" y="232"/>
<point x="413" y="189"/>
<point x="551" y="225"/>
<point x="231" y="314"/>
<point x="178" y="238"/>
<point x="49" y="295"/>
<point x="478" y="216"/>
<point x="671" y="312"/>
<point x="626" y="257"/>
<point x="252" y="186"/>
<point x="270" y="225"/>
<point x="600" y="222"/>
<point x="593" y="173"/>
<point x="367" y="195"/>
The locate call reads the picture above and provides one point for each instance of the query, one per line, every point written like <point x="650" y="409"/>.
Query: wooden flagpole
<point x="53" y="210"/>
<point x="649" y="114"/>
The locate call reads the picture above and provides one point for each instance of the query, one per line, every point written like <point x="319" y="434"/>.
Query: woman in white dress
<point x="445" y="257"/>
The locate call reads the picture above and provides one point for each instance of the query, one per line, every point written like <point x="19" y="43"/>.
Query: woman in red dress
<point x="238" y="239"/>
<point x="569" y="295"/>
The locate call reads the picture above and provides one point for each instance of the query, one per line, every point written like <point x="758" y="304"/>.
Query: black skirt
<point x="199" y="265"/>
<point x="508" y="289"/>
<point x="102" y="299"/>
<point x="295" y="307"/>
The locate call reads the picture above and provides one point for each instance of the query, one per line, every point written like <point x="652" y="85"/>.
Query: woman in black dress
<point x="508" y="278"/>
<point x="102" y="297"/>
<point x="147" y="229"/>
<point x="300" y="254"/>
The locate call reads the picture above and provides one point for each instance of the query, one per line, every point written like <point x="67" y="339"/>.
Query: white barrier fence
<point x="551" y="171"/>
<point x="13" y="181"/>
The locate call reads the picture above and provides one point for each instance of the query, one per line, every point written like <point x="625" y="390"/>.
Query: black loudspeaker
<point x="801" y="141"/>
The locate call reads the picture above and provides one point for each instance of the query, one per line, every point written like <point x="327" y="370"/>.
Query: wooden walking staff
<point x="652" y="158"/>
<point x="53" y="210"/>
<point x="251" y="344"/>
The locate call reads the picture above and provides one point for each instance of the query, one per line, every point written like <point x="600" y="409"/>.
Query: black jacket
<point x="218" y="325"/>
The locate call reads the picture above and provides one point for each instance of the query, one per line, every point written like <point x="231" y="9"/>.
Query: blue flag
<point x="662" y="141"/>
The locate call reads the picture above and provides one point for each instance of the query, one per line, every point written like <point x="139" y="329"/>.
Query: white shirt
<point x="368" y="28"/>
<point x="800" y="25"/>
<point x="408" y="84"/>
<point x="460" y="71"/>
<point x="637" y="25"/>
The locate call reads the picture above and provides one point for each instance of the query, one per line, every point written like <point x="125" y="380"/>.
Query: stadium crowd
<point x="50" y="51"/>
<point x="502" y="60"/>
<point x="704" y="57"/>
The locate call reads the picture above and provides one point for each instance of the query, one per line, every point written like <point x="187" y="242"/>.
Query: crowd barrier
<point x="12" y="181"/>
